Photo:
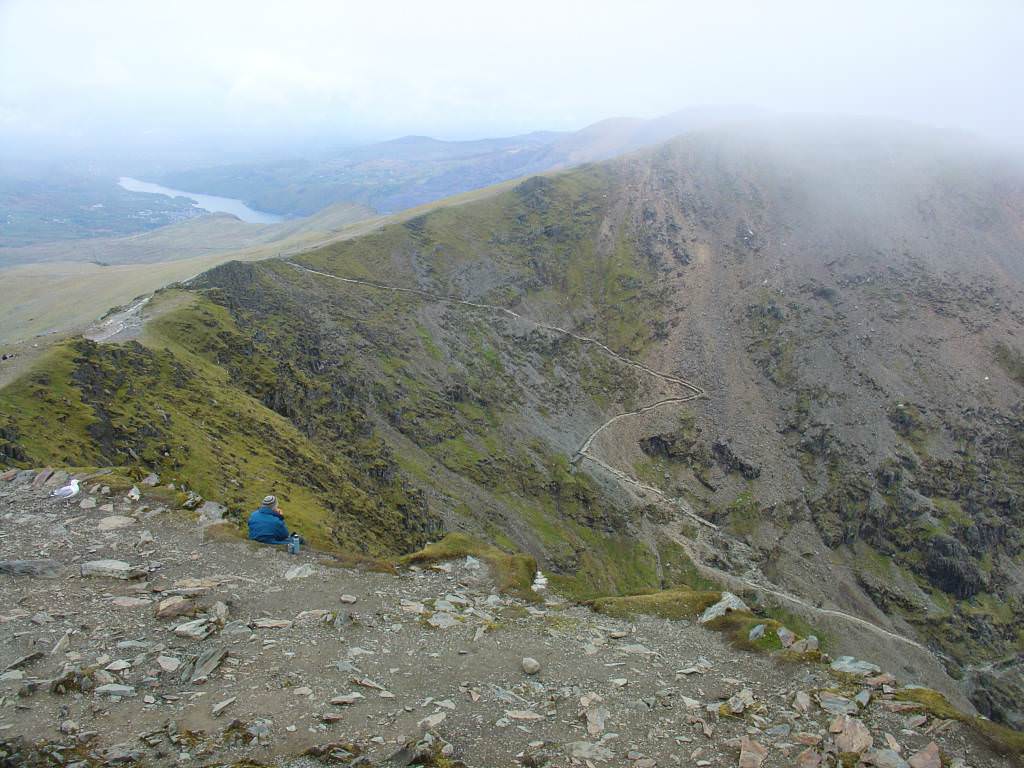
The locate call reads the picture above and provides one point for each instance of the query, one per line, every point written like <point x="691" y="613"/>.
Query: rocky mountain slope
<point x="133" y="636"/>
<point x="846" y="297"/>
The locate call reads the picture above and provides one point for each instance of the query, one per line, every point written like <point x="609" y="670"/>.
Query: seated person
<point x="266" y="524"/>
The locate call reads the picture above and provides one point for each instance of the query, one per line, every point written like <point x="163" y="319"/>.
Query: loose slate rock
<point x="752" y="753"/>
<point x="115" y="569"/>
<point x="837" y="705"/>
<point x="207" y="663"/>
<point x="115" y="689"/>
<point x="851" y="666"/>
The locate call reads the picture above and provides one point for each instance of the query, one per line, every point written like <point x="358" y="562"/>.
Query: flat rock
<point x="837" y="705"/>
<point x="347" y="699"/>
<point x="443" y="620"/>
<point x="851" y="735"/>
<point x="587" y="750"/>
<point x="303" y="571"/>
<point x="115" y="689"/>
<point x="168" y="663"/>
<point x="752" y="753"/>
<point x="175" y="607"/>
<point x="198" y="629"/>
<point x="929" y="757"/>
<point x="729" y="602"/>
<point x="114" y="522"/>
<point x="219" y="707"/>
<point x="87" y="503"/>
<point x="271" y="624"/>
<point x="851" y="666"/>
<point x="207" y="662"/>
<point x="114" y="569"/>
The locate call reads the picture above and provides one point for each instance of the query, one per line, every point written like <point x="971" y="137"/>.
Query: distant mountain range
<point x="394" y="175"/>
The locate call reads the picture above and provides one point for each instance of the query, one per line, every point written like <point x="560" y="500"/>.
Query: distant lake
<point x="210" y="203"/>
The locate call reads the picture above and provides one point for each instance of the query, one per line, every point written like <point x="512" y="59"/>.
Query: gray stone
<point x="756" y="633"/>
<point x="199" y="629"/>
<point x="586" y="750"/>
<point x="443" y="620"/>
<point x="116" y="689"/>
<point x="211" y="513"/>
<point x="207" y="662"/>
<point x="884" y="758"/>
<point x="837" y="705"/>
<point x="786" y="636"/>
<point x="530" y="665"/>
<point x="114" y="569"/>
<point x="851" y="666"/>
<point x="729" y="602"/>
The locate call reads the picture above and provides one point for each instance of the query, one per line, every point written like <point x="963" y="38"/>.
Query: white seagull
<point x="67" y="491"/>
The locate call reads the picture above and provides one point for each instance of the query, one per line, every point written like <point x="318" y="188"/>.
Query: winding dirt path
<point x="693" y="392"/>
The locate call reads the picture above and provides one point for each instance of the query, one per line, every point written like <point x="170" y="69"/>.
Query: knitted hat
<point x="269" y="501"/>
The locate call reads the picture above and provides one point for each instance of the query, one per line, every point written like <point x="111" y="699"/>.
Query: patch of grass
<point x="514" y="573"/>
<point x="357" y="561"/>
<point x="1003" y="739"/>
<point x="679" y="603"/>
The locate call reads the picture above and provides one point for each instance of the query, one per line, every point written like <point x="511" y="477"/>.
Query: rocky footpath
<point x="130" y="633"/>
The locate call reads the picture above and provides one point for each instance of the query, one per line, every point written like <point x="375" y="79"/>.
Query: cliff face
<point x="850" y="300"/>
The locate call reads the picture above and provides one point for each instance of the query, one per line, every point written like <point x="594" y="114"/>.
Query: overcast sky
<point x="75" y="72"/>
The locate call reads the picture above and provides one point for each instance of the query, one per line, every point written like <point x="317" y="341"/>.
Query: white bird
<point x="67" y="491"/>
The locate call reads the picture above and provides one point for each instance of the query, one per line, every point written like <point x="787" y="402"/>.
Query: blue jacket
<point x="267" y="526"/>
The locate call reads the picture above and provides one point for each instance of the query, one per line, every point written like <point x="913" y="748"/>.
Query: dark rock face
<point x="999" y="694"/>
<point x="725" y="456"/>
<point x="951" y="568"/>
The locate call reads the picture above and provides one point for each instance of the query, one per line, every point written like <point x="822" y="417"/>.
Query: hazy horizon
<point x="194" y="82"/>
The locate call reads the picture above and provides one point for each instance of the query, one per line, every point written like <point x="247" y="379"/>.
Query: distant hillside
<point x="849" y="295"/>
<point x="406" y="172"/>
<point x="197" y="237"/>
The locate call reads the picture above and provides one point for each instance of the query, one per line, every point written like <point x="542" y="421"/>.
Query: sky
<point x="78" y="76"/>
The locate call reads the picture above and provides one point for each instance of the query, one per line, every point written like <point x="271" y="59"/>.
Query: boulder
<point x="729" y="602"/>
<point x="530" y="665"/>
<point x="175" y="607"/>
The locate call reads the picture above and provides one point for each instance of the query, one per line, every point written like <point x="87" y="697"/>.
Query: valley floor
<point x="426" y="661"/>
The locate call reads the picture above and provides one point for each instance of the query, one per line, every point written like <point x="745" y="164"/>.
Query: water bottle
<point x="294" y="544"/>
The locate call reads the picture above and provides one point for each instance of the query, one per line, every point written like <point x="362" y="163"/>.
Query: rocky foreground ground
<point x="156" y="641"/>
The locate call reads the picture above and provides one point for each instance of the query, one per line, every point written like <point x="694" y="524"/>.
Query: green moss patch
<point x="1005" y="740"/>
